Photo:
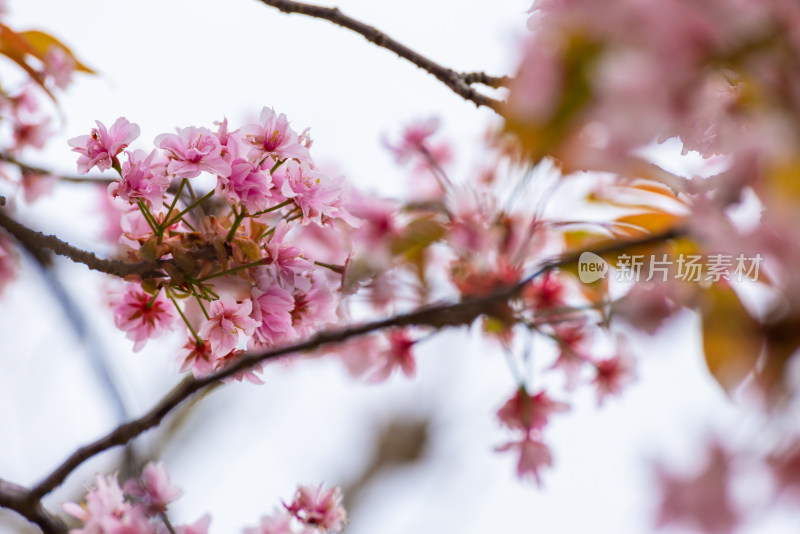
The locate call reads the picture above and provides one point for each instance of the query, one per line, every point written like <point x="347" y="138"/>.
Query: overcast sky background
<point x="164" y="64"/>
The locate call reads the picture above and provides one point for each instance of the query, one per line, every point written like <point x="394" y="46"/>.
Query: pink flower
<point x="138" y="181"/>
<point x="398" y="356"/>
<point x="284" y="263"/>
<point x="613" y="375"/>
<point x="59" y="65"/>
<point x="272" y="310"/>
<point x="533" y="456"/>
<point x="318" y="508"/>
<point x="313" y="308"/>
<point x="272" y="136"/>
<point x="30" y="134"/>
<point x="199" y="358"/>
<point x="702" y="501"/>
<point x="317" y="196"/>
<point x="360" y="354"/>
<point x="571" y="358"/>
<point x="413" y="139"/>
<point x="107" y="511"/>
<point x="34" y="185"/>
<point x="545" y="292"/>
<point x="192" y="151"/>
<point x="228" y="325"/>
<point x="277" y="523"/>
<point x="153" y="488"/>
<point x="141" y="315"/>
<point x="646" y="306"/>
<point x="102" y="146"/>
<point x="249" y="185"/>
<point x="198" y="527"/>
<point x="529" y="412"/>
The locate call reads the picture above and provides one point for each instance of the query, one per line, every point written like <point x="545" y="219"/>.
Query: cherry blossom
<point x="229" y="324"/>
<point x="529" y="412"/>
<point x="139" y="182"/>
<point x="193" y="150"/>
<point x="198" y="527"/>
<point x="140" y="315"/>
<point x="272" y="136"/>
<point x="397" y="356"/>
<point x="533" y="456"/>
<point x="272" y="310"/>
<point x="277" y="523"/>
<point x="702" y="500"/>
<point x="198" y="357"/>
<point x="249" y="185"/>
<point x="102" y="146"/>
<point x="107" y="510"/>
<point x="318" y="196"/>
<point x="613" y="375"/>
<point x="413" y="140"/>
<point x="153" y="488"/>
<point x="319" y="508"/>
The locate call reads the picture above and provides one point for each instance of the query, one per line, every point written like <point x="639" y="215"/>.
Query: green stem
<point x="151" y="222"/>
<point x="167" y="523"/>
<point x="193" y="205"/>
<point x="174" y="202"/>
<point x="185" y="320"/>
<point x="273" y="208"/>
<point x="233" y="270"/>
<point x="275" y="167"/>
<point x="236" y="222"/>
<point x="335" y="268"/>
<point x="200" y="302"/>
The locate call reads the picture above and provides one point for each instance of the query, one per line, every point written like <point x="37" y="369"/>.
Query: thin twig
<point x="436" y="316"/>
<point x="26" y="169"/>
<point x="459" y="83"/>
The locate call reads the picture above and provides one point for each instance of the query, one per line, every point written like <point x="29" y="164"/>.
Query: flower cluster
<point x="139" y="506"/>
<point x="231" y="268"/>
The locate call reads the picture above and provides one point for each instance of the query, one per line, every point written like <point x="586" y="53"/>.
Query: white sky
<point x="178" y="63"/>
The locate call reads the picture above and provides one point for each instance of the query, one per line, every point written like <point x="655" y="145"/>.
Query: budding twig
<point x="459" y="83"/>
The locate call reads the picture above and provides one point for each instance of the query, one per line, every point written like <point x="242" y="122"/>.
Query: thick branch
<point x="437" y="316"/>
<point x="21" y="500"/>
<point x="459" y="83"/>
<point x="37" y="241"/>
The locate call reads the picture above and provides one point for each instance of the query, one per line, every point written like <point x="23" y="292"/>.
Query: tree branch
<point x="25" y="169"/>
<point x="459" y="83"/>
<point x="37" y="241"/>
<point x="20" y="500"/>
<point x="436" y="316"/>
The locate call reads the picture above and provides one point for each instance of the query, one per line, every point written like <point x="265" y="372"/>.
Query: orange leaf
<point x="732" y="340"/>
<point x="40" y="42"/>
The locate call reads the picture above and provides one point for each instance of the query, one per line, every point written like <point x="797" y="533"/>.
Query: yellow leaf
<point x="40" y="42"/>
<point x="652" y="222"/>
<point x="732" y="340"/>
